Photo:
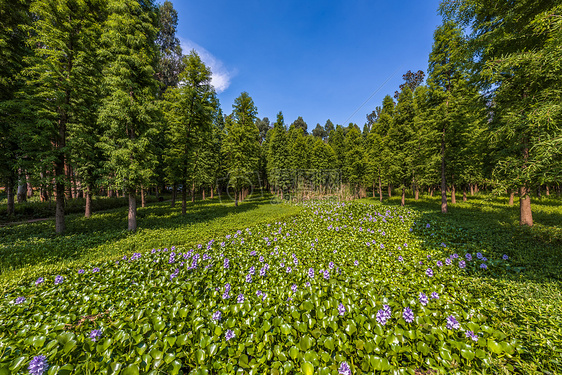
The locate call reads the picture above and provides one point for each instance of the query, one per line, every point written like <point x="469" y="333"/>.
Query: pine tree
<point x="278" y="156"/>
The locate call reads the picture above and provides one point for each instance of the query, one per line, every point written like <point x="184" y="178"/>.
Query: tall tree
<point x="128" y="108"/>
<point x="299" y="123"/>
<point x="241" y="145"/>
<point x="319" y="132"/>
<point x="278" y="156"/>
<point x="411" y="80"/>
<point x="189" y="110"/>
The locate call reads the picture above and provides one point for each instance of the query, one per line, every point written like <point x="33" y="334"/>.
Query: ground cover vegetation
<point x="321" y="287"/>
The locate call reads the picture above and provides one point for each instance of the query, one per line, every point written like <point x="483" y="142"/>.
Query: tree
<point x="128" y="108"/>
<point x="354" y="164"/>
<point x="412" y="81"/>
<point x="328" y="127"/>
<point x="170" y="62"/>
<point x="516" y="49"/>
<point x="189" y="109"/>
<point x="278" y="156"/>
<point x="299" y="123"/>
<point x="319" y="132"/>
<point x="13" y="53"/>
<point x="241" y="145"/>
<point x="263" y="126"/>
<point x="446" y="77"/>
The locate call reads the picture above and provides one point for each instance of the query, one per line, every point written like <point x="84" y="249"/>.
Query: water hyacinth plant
<point x="285" y="320"/>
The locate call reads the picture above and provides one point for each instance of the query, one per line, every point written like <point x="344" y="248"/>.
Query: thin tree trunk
<point x="174" y="193"/>
<point x="380" y="188"/>
<point x="22" y="187"/>
<point x="403" y="201"/>
<point x="464" y="193"/>
<point x="193" y="192"/>
<point x="539" y="191"/>
<point x="212" y="192"/>
<point x="475" y="188"/>
<point x="511" y="196"/>
<point x="453" y="196"/>
<point x="184" y="198"/>
<point x="373" y="189"/>
<point x="471" y="189"/>
<point x="389" y="190"/>
<point x="10" y="193"/>
<point x="547" y="191"/>
<point x="143" y="197"/>
<point x="525" y="214"/>
<point x="88" y="210"/>
<point x="132" y="210"/>
<point x="59" y="207"/>
<point x="203" y="192"/>
<point x="74" y="184"/>
<point x="443" y="178"/>
<point x="235" y="198"/>
<point x="68" y="175"/>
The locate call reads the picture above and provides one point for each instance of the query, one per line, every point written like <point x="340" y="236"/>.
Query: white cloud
<point x="221" y="76"/>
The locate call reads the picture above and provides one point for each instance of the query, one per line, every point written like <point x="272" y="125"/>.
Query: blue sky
<point x="316" y="59"/>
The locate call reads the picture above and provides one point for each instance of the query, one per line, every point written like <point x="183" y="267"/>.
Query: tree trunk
<point x="547" y="191"/>
<point x="453" y="196"/>
<point x="389" y="190"/>
<point x="464" y="193"/>
<point x="193" y="192"/>
<point x="22" y="187"/>
<point x="475" y="188"/>
<point x="471" y="189"/>
<point x="68" y="175"/>
<point x="403" y="201"/>
<point x="143" y="197"/>
<point x="74" y="185"/>
<point x="203" y="194"/>
<point x="235" y="198"/>
<point x="10" y="193"/>
<point x="174" y="193"/>
<point x="132" y="210"/>
<point x="59" y="205"/>
<point x="539" y="191"/>
<point x="88" y="210"/>
<point x="380" y="188"/>
<point x="525" y="213"/>
<point x="443" y="178"/>
<point x="373" y="189"/>
<point x="184" y="198"/>
<point x="212" y="192"/>
<point x="511" y="196"/>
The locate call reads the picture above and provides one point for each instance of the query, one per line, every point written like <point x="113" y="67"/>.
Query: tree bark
<point x="403" y="200"/>
<point x="10" y="193"/>
<point x="203" y="192"/>
<point x="511" y="196"/>
<point x="22" y="187"/>
<point x="471" y="189"/>
<point x="525" y="213"/>
<point x="68" y="175"/>
<point x="389" y="190"/>
<point x="373" y="189"/>
<point x="184" y="198"/>
<point x="453" y="196"/>
<point x="60" y="225"/>
<point x="193" y="192"/>
<point x="380" y="188"/>
<point x="443" y="178"/>
<point x="143" y="197"/>
<point x="235" y="198"/>
<point x="212" y="192"/>
<point x="464" y="193"/>
<point x="132" y="210"/>
<point x="539" y="191"/>
<point x="88" y="210"/>
<point x="547" y="191"/>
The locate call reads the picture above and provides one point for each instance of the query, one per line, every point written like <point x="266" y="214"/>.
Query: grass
<point x="524" y="301"/>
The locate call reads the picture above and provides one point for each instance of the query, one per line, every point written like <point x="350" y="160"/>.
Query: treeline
<point x="97" y="98"/>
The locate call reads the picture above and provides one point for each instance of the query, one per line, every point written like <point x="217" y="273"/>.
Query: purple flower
<point x="471" y="335"/>
<point x="240" y="298"/>
<point x="311" y="272"/>
<point x="261" y="258"/>
<point x="429" y="272"/>
<point x="462" y="264"/>
<point x="289" y="269"/>
<point x="452" y="323"/>
<point x="455" y="256"/>
<point x="253" y="253"/>
<point x="19" y="300"/>
<point x="356" y="263"/>
<point x="294" y="288"/>
<point x="226" y="263"/>
<point x="443" y="244"/>
<point x="248" y="278"/>
<point x="95" y="334"/>
<point x="80" y="272"/>
<point x="439" y="263"/>
<point x="262" y="271"/>
<point x="448" y="261"/>
<point x="484" y="266"/>
<point x="39" y="281"/>
<point x="307" y="283"/>
<point x="252" y="270"/>
<point x="468" y="256"/>
<point x="400" y="259"/>
<point x="505" y="257"/>
<point x="259" y="293"/>
<point x="96" y="269"/>
<point x="479" y="255"/>
<point x="331" y="265"/>
<point x="227" y="287"/>
<point x="38" y="365"/>
<point x="434" y="295"/>
<point x="383" y="315"/>
<point x="58" y="279"/>
<point x="217" y="315"/>
<point x="423" y="299"/>
<point x="226" y="295"/>
<point x="344" y="369"/>
<point x="408" y="315"/>
<point x="341" y="309"/>
<point x="327" y="275"/>
<point x="229" y="335"/>
<point x="427" y="226"/>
